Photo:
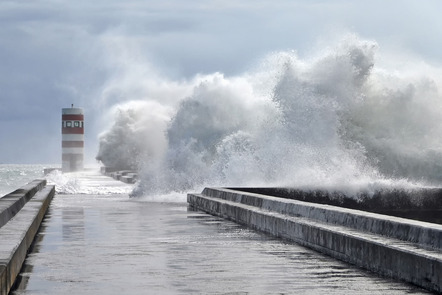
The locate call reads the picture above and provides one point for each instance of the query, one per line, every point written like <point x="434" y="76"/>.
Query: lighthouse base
<point x="72" y="163"/>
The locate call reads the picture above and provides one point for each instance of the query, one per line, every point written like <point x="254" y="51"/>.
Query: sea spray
<point x="334" y="121"/>
<point x="88" y="182"/>
<point x="136" y="136"/>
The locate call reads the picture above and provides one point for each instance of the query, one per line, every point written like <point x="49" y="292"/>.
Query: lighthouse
<point x="72" y="139"/>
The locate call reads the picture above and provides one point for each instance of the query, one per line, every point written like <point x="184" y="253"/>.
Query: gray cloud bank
<point x="97" y="54"/>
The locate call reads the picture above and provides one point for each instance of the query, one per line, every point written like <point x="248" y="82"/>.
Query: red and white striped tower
<point x="72" y="143"/>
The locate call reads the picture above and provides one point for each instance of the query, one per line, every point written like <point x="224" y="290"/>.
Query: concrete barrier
<point x="46" y="171"/>
<point x="129" y="177"/>
<point x="126" y="176"/>
<point x="22" y="213"/>
<point x="391" y="246"/>
<point x="107" y="170"/>
<point x="11" y="203"/>
<point x="419" y="203"/>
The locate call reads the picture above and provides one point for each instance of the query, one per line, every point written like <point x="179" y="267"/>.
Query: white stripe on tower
<point x="72" y="151"/>
<point x="72" y="137"/>
<point x="72" y="130"/>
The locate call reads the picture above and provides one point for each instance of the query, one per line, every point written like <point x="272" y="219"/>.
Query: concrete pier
<point x="94" y="239"/>
<point x="21" y="213"/>
<point x="394" y="247"/>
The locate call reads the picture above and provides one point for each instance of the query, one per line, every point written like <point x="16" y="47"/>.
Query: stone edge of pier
<point x="21" y="214"/>
<point x="394" y="247"/>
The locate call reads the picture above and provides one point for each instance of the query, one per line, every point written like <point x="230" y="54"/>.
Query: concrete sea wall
<point x="391" y="246"/>
<point x="21" y="213"/>
<point x="424" y="204"/>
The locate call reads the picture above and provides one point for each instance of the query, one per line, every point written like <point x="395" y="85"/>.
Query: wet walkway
<point x="110" y="244"/>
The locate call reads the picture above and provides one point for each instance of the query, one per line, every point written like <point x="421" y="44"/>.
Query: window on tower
<point x="72" y="124"/>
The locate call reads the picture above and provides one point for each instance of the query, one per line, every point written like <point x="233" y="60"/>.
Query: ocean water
<point x="13" y="176"/>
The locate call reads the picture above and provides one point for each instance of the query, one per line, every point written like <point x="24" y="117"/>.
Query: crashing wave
<point x="335" y="120"/>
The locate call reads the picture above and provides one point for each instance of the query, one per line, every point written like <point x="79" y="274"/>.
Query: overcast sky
<point x="57" y="52"/>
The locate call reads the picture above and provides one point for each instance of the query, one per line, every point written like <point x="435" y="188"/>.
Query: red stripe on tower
<point x="72" y="117"/>
<point x="72" y="131"/>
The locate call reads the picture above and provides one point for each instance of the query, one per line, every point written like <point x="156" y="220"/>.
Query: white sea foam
<point x="335" y="120"/>
<point x="89" y="182"/>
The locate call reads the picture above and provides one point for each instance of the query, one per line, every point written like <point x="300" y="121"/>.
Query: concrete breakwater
<point x="21" y="213"/>
<point x="424" y="204"/>
<point x="400" y="248"/>
<point x="126" y="176"/>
